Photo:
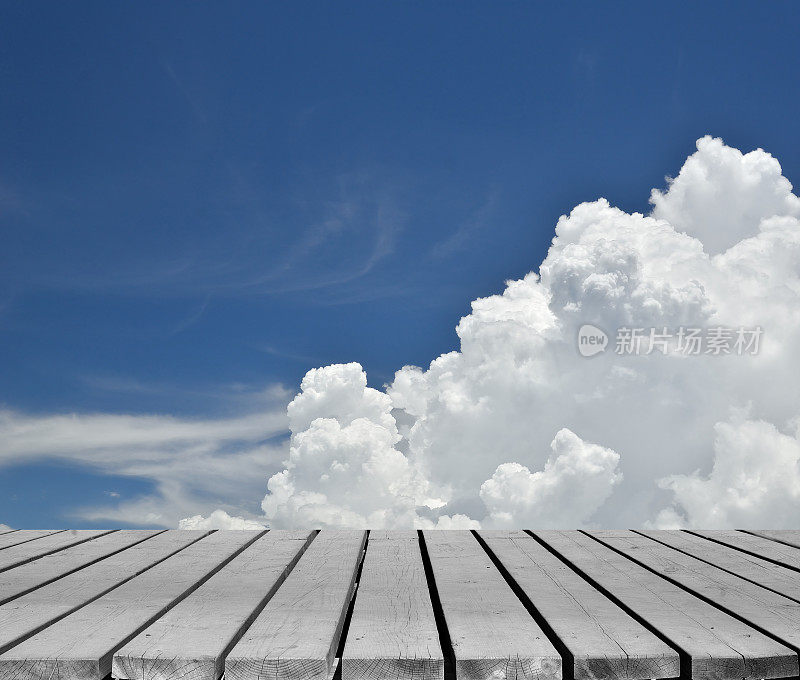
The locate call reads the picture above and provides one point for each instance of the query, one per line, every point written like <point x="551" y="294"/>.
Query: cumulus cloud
<point x="577" y="479"/>
<point x="517" y="428"/>
<point x="754" y="483"/>
<point x="219" y="519"/>
<point x="721" y="195"/>
<point x="344" y="468"/>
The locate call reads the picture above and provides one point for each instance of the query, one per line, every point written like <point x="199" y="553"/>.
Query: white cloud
<point x="499" y="432"/>
<point x="95" y="437"/>
<point x="343" y="467"/>
<point x="577" y="479"/>
<point x="191" y="462"/>
<point x="219" y="519"/>
<point x="721" y="195"/>
<point x="754" y="483"/>
<point x="722" y="247"/>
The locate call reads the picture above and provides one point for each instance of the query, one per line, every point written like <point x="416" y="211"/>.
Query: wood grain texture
<point x="756" y="570"/>
<point x="55" y="565"/>
<point x="27" y="552"/>
<point x="492" y="634"/>
<point x="718" y="646"/>
<point x="191" y="641"/>
<point x="788" y="536"/>
<point x="296" y="635"/>
<point x="81" y="646"/>
<point x="174" y="604"/>
<point x="26" y="615"/>
<point x="393" y="631"/>
<point x="604" y="641"/>
<point x="24" y="535"/>
<point x="769" y="611"/>
<point x="763" y="546"/>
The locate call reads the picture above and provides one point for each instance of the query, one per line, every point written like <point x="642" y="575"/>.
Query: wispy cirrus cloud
<point x="466" y="232"/>
<point x="314" y="234"/>
<point x="189" y="461"/>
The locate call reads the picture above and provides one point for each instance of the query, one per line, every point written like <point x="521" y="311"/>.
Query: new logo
<point x="591" y="340"/>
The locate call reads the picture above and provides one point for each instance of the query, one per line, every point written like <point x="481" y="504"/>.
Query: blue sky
<point x="198" y="202"/>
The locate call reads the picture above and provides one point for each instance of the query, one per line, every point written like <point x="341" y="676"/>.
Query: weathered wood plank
<point x="788" y="536"/>
<point x="26" y="615"/>
<point x="296" y="635"/>
<point x="6" y="531"/>
<point x="55" y="565"/>
<point x="718" y="646"/>
<point x="603" y="640"/>
<point x="758" y="546"/>
<point x="24" y="535"/>
<point x="492" y="634"/>
<point x="769" y="611"/>
<point x="191" y="641"/>
<point x="393" y="631"/>
<point x="744" y="565"/>
<point x="27" y="552"/>
<point x="81" y="646"/>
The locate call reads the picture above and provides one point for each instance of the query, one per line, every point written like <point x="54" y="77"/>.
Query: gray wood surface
<point x="492" y="634"/>
<point x="186" y="605"/>
<point x="787" y="536"/>
<point x="26" y="615"/>
<point x="719" y="646"/>
<point x="55" y="565"/>
<point x="604" y="641"/>
<point x="81" y="646"/>
<point x="6" y="531"/>
<point x="191" y="640"/>
<point x="771" y="612"/>
<point x="27" y="552"/>
<point x="24" y="535"/>
<point x="296" y="635"/>
<point x="761" y="572"/>
<point x="757" y="545"/>
<point x="393" y="630"/>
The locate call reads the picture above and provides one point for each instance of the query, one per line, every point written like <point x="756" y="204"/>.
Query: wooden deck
<point x="390" y="605"/>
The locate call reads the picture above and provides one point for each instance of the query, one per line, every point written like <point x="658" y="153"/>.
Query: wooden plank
<point x="27" y="552"/>
<point x="393" y="631"/>
<point x="6" y="531"/>
<point x="717" y="646"/>
<point x="603" y="640"/>
<point x="788" y="536"/>
<point x="764" y="609"/>
<point x="26" y="615"/>
<point x="24" y="535"/>
<point x="766" y="574"/>
<point x="296" y="635"/>
<point x="193" y="638"/>
<point x="81" y="646"/>
<point x="758" y="546"/>
<point x="492" y="634"/>
<point x="46" y="569"/>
